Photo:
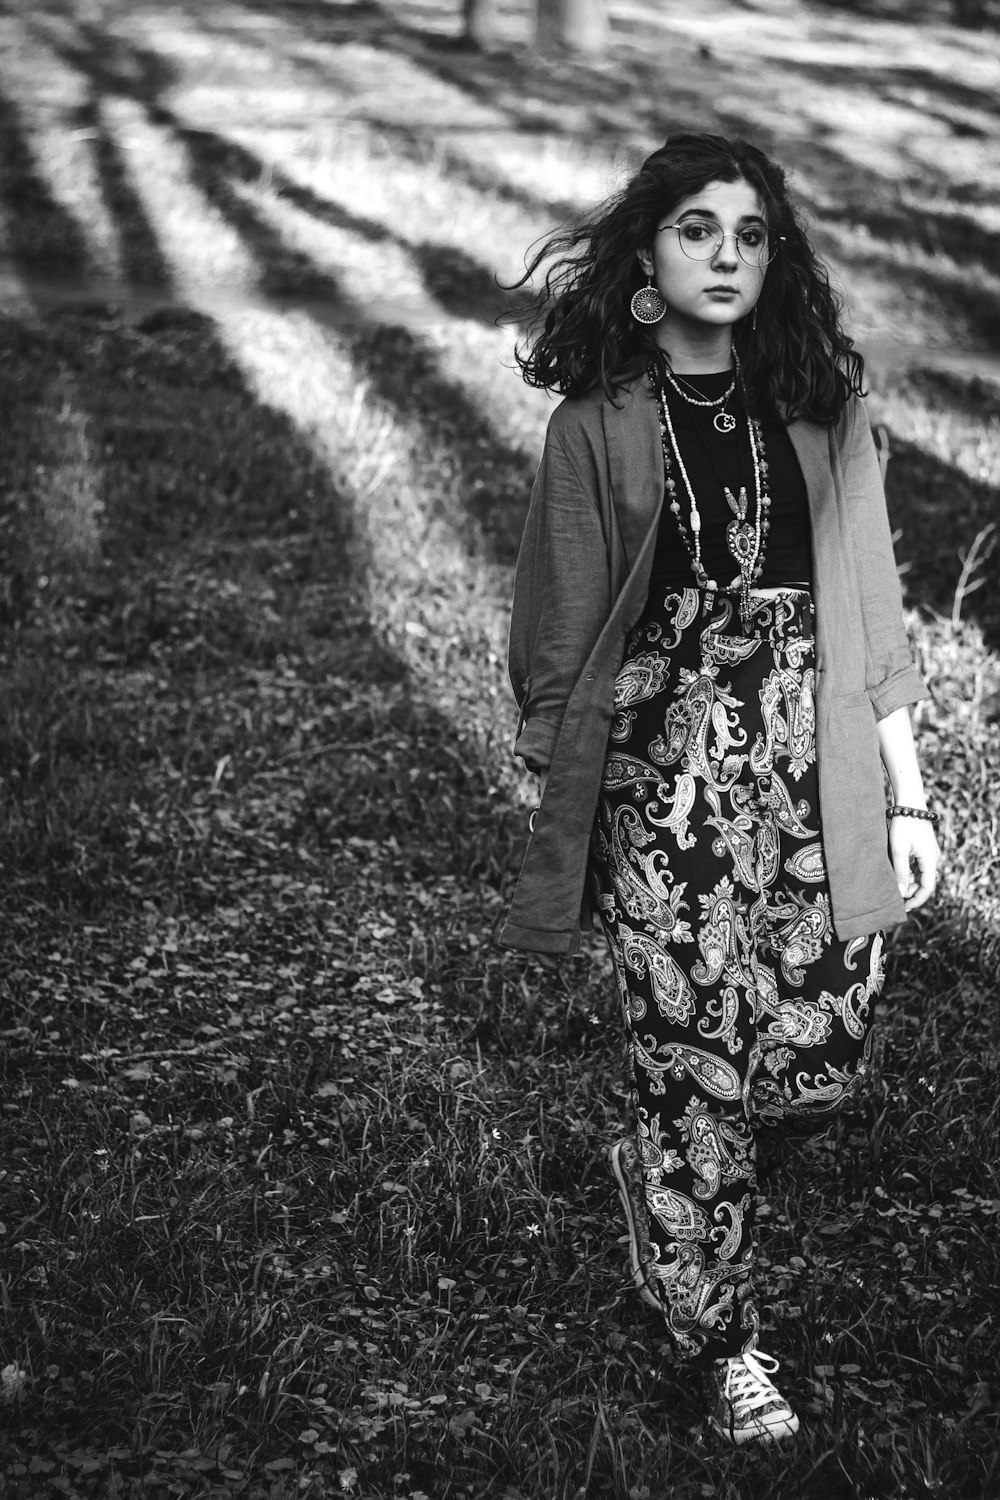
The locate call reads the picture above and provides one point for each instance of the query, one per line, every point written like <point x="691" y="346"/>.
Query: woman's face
<point x="722" y="287"/>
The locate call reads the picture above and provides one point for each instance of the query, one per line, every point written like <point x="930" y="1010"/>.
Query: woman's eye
<point x="696" y="232"/>
<point x="753" y="238"/>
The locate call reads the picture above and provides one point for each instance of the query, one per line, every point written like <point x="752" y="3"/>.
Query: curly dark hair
<point x="798" y="361"/>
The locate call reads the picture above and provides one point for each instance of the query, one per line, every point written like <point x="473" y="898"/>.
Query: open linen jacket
<point x="580" y="585"/>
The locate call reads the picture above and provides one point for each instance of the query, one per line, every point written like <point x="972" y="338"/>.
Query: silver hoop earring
<point x="647" y="305"/>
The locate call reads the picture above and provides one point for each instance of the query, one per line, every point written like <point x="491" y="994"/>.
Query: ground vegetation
<point x="302" y="1185"/>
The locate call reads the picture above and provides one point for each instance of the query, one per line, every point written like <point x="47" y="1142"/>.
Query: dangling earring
<point x="753" y="320"/>
<point x="647" y="305"/>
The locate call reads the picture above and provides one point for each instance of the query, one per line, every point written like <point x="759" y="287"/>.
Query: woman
<point x="708" y="651"/>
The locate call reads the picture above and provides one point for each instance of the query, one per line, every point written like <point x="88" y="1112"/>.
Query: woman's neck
<point x="695" y="348"/>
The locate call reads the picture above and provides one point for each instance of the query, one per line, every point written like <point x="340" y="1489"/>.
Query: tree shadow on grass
<point x="410" y="141"/>
<point x="921" y="492"/>
<point x="957" y="235"/>
<point x="226" y="546"/>
<point x="929" y="501"/>
<point x="143" y="265"/>
<point x="892" y="81"/>
<point x="533" y="93"/>
<point x="929" y="491"/>
<point x="494" y="478"/>
<point x="488" y="79"/>
<point x="289" y="645"/>
<point x="206" y="742"/>
<point x="45" y="238"/>
<point x="463" y="286"/>
<point x="212" y="753"/>
<point x="624" y="94"/>
<point x="904" y="12"/>
<point x="965" y="298"/>
<point x="401" y="369"/>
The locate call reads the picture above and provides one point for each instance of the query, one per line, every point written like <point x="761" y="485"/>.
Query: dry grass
<point x="302" y="1186"/>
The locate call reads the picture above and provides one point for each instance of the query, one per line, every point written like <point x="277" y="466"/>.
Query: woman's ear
<point x="645" y="259"/>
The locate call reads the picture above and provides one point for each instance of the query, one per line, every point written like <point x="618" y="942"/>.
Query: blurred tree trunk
<point x="479" y="22"/>
<point x="578" y="25"/>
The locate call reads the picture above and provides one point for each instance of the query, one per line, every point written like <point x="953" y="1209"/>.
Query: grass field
<point x="302" y="1183"/>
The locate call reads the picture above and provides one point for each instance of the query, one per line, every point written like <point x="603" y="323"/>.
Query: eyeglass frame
<point x="732" y="234"/>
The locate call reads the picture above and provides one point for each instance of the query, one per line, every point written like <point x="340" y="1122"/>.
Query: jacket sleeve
<point x="891" y="678"/>
<point x="561" y="592"/>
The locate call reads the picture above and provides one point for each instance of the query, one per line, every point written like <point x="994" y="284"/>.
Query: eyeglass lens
<point x="700" y="239"/>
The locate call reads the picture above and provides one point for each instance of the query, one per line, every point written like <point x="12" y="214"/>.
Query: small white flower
<point x="12" y="1382"/>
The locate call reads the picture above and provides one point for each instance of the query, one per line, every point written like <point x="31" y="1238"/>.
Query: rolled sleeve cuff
<point x="897" y="691"/>
<point x="536" y="742"/>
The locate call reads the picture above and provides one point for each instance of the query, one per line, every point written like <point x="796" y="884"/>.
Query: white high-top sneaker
<point x="747" y="1407"/>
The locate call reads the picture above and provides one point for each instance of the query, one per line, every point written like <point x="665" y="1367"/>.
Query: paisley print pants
<point x="744" y="1013"/>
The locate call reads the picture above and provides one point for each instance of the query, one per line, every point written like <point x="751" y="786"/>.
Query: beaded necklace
<point x="723" y="421"/>
<point x="745" y="539"/>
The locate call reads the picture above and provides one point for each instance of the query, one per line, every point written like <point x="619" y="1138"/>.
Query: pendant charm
<point x="742" y="544"/>
<point x="723" y="421"/>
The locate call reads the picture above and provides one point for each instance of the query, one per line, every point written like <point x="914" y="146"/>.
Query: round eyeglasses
<point x="701" y="239"/>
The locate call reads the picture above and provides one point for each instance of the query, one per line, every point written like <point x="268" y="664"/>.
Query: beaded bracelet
<point x="911" y="812"/>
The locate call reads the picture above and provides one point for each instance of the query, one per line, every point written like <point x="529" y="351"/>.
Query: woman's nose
<point x="726" y="253"/>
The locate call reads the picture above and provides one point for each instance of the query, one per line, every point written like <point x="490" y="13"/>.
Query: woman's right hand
<point x="915" y="854"/>
<point x="543" y="777"/>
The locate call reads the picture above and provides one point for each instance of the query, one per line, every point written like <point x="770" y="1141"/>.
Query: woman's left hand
<point x="913" y="848"/>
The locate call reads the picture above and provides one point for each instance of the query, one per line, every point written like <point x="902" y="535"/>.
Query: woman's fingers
<point x="899" y="851"/>
<point x="923" y="887"/>
<point x="913" y="847"/>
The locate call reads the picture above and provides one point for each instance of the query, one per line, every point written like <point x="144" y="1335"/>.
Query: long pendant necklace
<point x="723" y="421"/>
<point x="668" y="442"/>
<point x="745" y="540"/>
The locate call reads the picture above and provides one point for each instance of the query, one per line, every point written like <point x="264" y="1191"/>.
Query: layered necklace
<point x="723" y="421"/>
<point x="746" y="536"/>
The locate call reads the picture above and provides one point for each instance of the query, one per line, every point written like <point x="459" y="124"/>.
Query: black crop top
<point x="787" y="556"/>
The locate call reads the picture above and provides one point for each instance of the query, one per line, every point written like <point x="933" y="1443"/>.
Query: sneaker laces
<point x="746" y="1381"/>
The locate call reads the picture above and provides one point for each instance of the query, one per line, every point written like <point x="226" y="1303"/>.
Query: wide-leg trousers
<point x="744" y="1013"/>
